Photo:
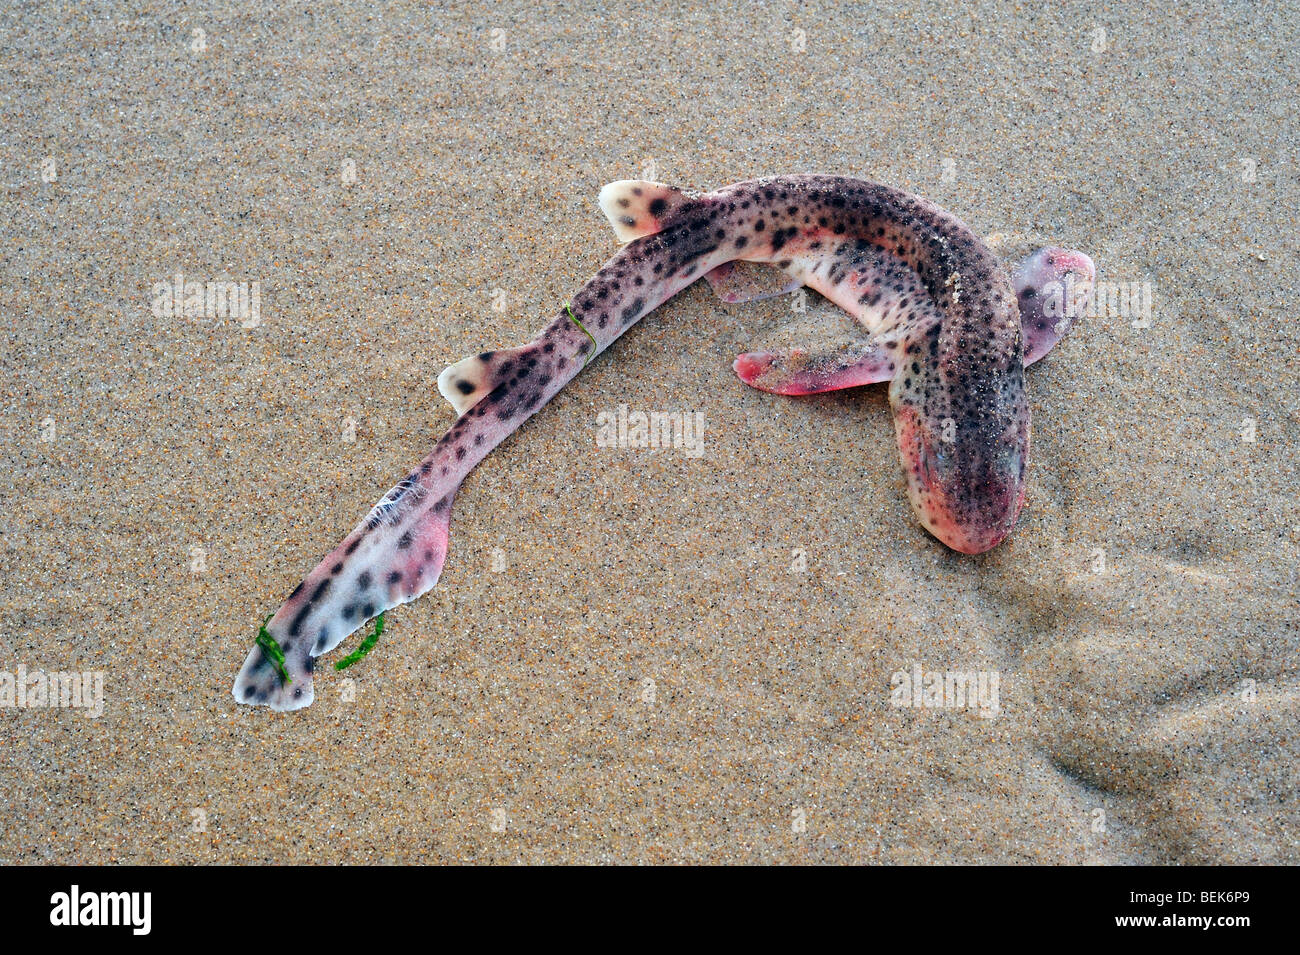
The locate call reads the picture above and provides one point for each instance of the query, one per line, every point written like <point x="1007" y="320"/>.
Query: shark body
<point x="943" y="322"/>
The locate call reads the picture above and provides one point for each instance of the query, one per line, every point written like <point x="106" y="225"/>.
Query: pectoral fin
<point x="799" y="371"/>
<point x="1053" y="287"/>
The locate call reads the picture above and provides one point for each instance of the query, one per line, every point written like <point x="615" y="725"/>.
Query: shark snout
<point x="966" y="492"/>
<point x="973" y="516"/>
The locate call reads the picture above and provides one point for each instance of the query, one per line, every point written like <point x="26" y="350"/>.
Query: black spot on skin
<point x="485" y="356"/>
<point x="324" y="586"/>
<point x="363" y="582"/>
<point x="351" y="547"/>
<point x="297" y="590"/>
<point x="632" y="310"/>
<point x="404" y="541"/>
<point x="348" y="611"/>
<point x="296" y="625"/>
<point x="249" y="691"/>
<point x="395" y="577"/>
<point x="740" y="242"/>
<point x="368" y="611"/>
<point x="297" y="694"/>
<point x="428" y="555"/>
<point x="657" y="207"/>
<point x="464" y="387"/>
<point x="460" y="453"/>
<point x="760" y="225"/>
<point x="310" y="665"/>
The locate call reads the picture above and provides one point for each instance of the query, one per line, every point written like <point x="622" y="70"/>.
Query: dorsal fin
<point x="637" y="208"/>
<point x="469" y="380"/>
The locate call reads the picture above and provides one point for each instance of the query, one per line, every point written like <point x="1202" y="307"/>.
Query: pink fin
<point x="798" y="372"/>
<point x="1053" y="287"/>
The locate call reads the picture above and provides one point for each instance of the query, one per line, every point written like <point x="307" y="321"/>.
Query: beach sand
<point x="640" y="655"/>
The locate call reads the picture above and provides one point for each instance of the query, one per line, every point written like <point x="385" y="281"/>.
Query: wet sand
<point x="639" y="655"/>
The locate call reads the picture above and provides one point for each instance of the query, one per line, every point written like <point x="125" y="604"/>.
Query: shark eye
<point x="936" y="460"/>
<point x="943" y="458"/>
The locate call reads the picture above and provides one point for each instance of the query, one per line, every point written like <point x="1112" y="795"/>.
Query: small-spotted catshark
<point x="942" y="321"/>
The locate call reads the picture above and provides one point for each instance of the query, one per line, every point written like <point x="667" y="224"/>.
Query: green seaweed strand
<point x="594" y="347"/>
<point x="271" y="650"/>
<point x="367" y="645"/>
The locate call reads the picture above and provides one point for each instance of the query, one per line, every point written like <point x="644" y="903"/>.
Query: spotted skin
<point x="946" y="332"/>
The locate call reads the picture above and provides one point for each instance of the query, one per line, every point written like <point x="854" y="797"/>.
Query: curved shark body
<point x="943" y="322"/>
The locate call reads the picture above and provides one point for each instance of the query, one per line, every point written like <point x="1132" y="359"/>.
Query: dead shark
<point x="941" y="320"/>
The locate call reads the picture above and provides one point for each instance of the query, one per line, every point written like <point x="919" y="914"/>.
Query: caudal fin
<point x="396" y="554"/>
<point x="391" y="558"/>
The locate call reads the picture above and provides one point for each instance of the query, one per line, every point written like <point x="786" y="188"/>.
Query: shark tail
<point x="396" y="554"/>
<point x="392" y="557"/>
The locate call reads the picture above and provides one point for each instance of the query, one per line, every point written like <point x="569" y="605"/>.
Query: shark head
<point x="966" y="476"/>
